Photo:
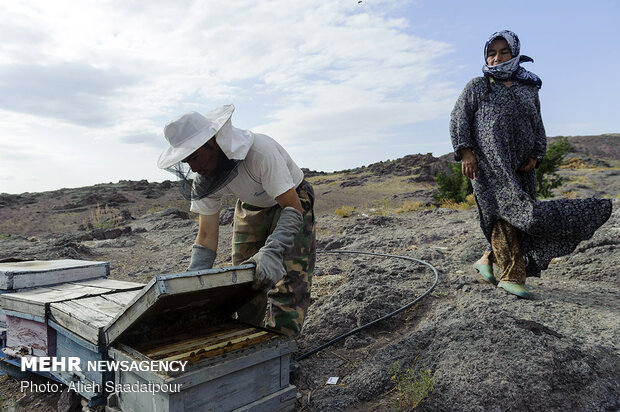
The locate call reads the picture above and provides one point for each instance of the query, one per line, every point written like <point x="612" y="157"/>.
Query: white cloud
<point x="112" y="73"/>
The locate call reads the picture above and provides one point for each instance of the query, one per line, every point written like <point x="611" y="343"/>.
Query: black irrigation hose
<point x="389" y="315"/>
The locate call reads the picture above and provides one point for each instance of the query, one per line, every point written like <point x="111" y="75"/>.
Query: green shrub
<point x="412" y="390"/>
<point x="453" y="185"/>
<point x="546" y="176"/>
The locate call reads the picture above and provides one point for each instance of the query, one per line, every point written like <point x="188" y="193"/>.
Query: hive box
<point x="37" y="273"/>
<point x="24" y="275"/>
<point x="27" y="312"/>
<point x="79" y="324"/>
<point x="184" y="317"/>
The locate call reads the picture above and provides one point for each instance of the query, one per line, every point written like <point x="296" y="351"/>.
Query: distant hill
<point x="605" y="146"/>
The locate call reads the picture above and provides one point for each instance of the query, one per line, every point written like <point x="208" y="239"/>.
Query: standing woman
<point x="498" y="134"/>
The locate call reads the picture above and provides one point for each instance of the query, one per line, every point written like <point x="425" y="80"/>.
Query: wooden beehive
<point x="27" y="312"/>
<point x="37" y="273"/>
<point x="79" y="324"/>
<point x="185" y="317"/>
<point x="24" y="275"/>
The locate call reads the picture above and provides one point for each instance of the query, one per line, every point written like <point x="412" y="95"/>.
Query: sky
<point x="86" y="86"/>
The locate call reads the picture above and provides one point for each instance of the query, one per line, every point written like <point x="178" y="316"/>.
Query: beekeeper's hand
<point x="202" y="258"/>
<point x="269" y="259"/>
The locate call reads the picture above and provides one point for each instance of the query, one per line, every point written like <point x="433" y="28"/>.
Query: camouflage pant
<point x="283" y="307"/>
<point x="507" y="253"/>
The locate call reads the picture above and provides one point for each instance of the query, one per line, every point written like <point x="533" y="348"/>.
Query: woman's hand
<point x="469" y="164"/>
<point x="528" y="165"/>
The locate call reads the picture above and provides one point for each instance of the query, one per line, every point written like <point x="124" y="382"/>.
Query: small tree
<point x="546" y="176"/>
<point x="453" y="185"/>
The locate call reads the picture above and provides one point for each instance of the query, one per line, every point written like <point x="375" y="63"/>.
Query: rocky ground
<point x="484" y="349"/>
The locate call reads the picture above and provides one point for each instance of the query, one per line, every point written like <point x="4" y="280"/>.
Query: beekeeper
<point x="274" y="218"/>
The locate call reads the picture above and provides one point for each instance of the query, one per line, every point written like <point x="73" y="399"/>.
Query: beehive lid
<point x="36" y="273"/>
<point x="199" y="290"/>
<point x="36" y="302"/>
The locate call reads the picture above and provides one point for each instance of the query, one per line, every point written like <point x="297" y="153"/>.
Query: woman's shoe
<point x="515" y="289"/>
<point x="486" y="271"/>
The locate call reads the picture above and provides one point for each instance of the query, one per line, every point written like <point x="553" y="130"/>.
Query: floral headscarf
<point x="512" y="68"/>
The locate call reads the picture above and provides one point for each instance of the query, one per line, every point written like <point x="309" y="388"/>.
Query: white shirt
<point x="266" y="172"/>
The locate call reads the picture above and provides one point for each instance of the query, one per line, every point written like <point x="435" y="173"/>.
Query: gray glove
<point x="269" y="259"/>
<point x="202" y="258"/>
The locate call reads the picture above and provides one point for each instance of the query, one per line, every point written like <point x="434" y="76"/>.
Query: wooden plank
<point x="60" y="330"/>
<point x="229" y="344"/>
<point x="89" y="316"/>
<point x="26" y="308"/>
<point x="62" y="315"/>
<point x="19" y="275"/>
<point x="99" y="304"/>
<point x="36" y="336"/>
<point x="111" y="284"/>
<point x="137" y="401"/>
<point x="68" y="345"/>
<point x="282" y="400"/>
<point x="25" y="316"/>
<point x="51" y="294"/>
<point x="226" y="393"/>
<point x="190" y="283"/>
<point x="26" y="293"/>
<point x="121" y="298"/>
<point x="196" y="343"/>
<point x="36" y="301"/>
<point x="6" y="281"/>
<point x="78" y="289"/>
<point x="132" y="312"/>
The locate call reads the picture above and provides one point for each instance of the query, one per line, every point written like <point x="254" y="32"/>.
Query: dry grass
<point x="451" y="204"/>
<point x="570" y="194"/>
<point x="104" y="218"/>
<point x="345" y="211"/>
<point x="370" y="196"/>
<point x="575" y="164"/>
<point x="409" y="206"/>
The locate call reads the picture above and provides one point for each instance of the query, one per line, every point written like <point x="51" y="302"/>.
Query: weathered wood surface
<point x="69" y="344"/>
<point x="171" y="292"/>
<point x="36" y="273"/>
<point x="111" y="284"/>
<point x="250" y="379"/>
<point x="36" y="336"/>
<point x="204" y="343"/>
<point x="86" y="317"/>
<point x="169" y="349"/>
<point x="121" y="298"/>
<point x="280" y="401"/>
<point x="36" y="301"/>
<point x="202" y="350"/>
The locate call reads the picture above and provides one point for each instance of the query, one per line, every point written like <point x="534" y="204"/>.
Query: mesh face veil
<point x="195" y="187"/>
